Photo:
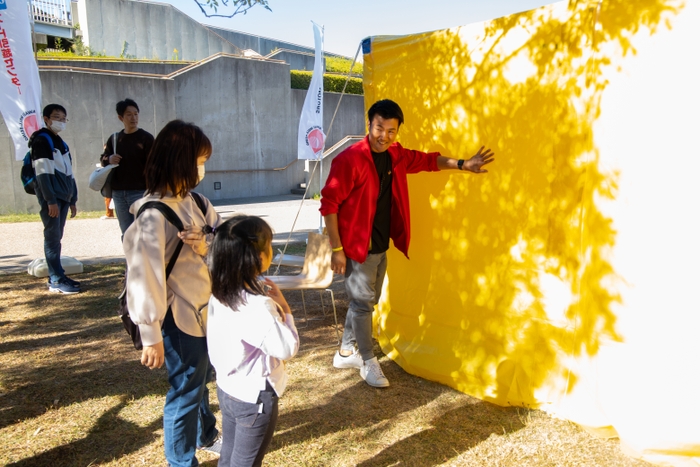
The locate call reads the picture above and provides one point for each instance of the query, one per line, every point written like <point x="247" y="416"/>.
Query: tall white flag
<point x="311" y="136"/>
<point x="20" y="88"/>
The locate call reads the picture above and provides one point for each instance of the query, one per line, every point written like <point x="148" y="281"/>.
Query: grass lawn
<point x="72" y="393"/>
<point x="34" y="217"/>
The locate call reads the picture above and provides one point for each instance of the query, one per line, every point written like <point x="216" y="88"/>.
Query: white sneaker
<point x="372" y="373"/>
<point x="351" y="361"/>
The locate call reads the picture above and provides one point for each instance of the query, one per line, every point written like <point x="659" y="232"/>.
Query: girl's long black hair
<point x="234" y="258"/>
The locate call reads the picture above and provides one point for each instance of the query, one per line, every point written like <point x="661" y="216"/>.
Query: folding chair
<point x="316" y="274"/>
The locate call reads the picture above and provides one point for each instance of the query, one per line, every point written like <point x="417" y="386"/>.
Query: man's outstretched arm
<point x="474" y="164"/>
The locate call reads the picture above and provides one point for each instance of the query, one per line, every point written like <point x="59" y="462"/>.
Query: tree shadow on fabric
<point x="509" y="272"/>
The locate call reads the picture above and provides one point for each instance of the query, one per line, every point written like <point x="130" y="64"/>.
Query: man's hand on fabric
<point x="73" y="211"/>
<point x="477" y="161"/>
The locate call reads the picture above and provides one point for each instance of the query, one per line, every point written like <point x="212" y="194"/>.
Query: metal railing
<point x="52" y="12"/>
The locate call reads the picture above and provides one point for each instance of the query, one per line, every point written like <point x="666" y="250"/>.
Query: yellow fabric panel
<point x="529" y="285"/>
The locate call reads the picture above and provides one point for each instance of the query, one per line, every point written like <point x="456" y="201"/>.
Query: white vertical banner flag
<point x="20" y="88"/>
<point x="311" y="136"/>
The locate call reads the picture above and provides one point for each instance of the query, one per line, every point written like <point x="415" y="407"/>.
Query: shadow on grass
<point x="67" y="348"/>
<point x="451" y="434"/>
<point x="99" y="444"/>
<point x="71" y="351"/>
<point x="371" y="416"/>
<point x="60" y="351"/>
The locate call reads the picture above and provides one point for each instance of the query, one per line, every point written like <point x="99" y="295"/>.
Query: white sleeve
<point x="280" y="339"/>
<point x="147" y="295"/>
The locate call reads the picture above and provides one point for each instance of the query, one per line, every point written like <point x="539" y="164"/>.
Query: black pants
<point x="247" y="428"/>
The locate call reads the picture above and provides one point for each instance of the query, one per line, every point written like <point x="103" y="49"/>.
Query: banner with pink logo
<point x="20" y="87"/>
<point x="311" y="136"/>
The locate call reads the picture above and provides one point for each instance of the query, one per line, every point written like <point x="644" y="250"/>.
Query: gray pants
<point x="363" y="285"/>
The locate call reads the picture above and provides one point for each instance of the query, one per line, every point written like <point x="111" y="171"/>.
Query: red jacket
<point x="352" y="188"/>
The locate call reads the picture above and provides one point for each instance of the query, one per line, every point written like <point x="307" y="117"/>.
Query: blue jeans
<point x="247" y="428"/>
<point x="123" y="199"/>
<point x="53" y="233"/>
<point x="187" y="419"/>
<point x="363" y="286"/>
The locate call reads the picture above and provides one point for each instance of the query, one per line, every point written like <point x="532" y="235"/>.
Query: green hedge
<point x="331" y="83"/>
<point x="342" y="65"/>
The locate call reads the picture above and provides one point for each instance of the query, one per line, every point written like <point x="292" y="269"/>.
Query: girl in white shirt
<point x="250" y="332"/>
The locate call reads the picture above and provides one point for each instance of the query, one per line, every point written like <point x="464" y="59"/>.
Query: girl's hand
<point x="153" y="356"/>
<point x="196" y="238"/>
<point x="276" y="294"/>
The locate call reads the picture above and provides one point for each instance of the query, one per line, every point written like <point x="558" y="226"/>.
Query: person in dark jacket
<point x="128" y="148"/>
<point x="56" y="192"/>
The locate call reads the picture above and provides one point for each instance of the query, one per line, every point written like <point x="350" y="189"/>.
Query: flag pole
<point x="31" y="21"/>
<point x="320" y="163"/>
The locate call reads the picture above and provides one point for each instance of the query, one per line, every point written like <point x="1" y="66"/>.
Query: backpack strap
<point x="47" y="137"/>
<point x="201" y="204"/>
<point x="50" y="140"/>
<point x="174" y="219"/>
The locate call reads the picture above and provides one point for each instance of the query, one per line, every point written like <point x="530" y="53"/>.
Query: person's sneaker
<point x="372" y="373"/>
<point x="214" y="447"/>
<point x="72" y="282"/>
<point x="64" y="287"/>
<point x="351" y="361"/>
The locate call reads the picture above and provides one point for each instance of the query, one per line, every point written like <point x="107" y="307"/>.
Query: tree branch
<point x="238" y="6"/>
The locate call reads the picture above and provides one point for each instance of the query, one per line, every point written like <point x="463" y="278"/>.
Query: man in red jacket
<point x="365" y="203"/>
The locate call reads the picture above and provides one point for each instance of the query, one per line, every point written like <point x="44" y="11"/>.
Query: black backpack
<point x="131" y="328"/>
<point x="26" y="173"/>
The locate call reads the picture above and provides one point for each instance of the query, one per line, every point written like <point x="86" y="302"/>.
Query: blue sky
<point x="347" y="23"/>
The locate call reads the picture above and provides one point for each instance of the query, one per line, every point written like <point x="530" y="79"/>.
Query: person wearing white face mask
<point x="56" y="192"/>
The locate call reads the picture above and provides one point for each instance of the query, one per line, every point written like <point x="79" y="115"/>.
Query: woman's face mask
<point x="200" y="173"/>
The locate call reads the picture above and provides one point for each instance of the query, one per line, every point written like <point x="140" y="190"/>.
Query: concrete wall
<point x="89" y="100"/>
<point x="262" y="45"/>
<point x="151" y="30"/>
<point x="296" y="60"/>
<point x="133" y="67"/>
<point x="155" y="30"/>
<point x="245" y="106"/>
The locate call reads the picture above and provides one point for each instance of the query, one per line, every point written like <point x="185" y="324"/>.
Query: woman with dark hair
<point x="169" y="312"/>
<point x="250" y="333"/>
